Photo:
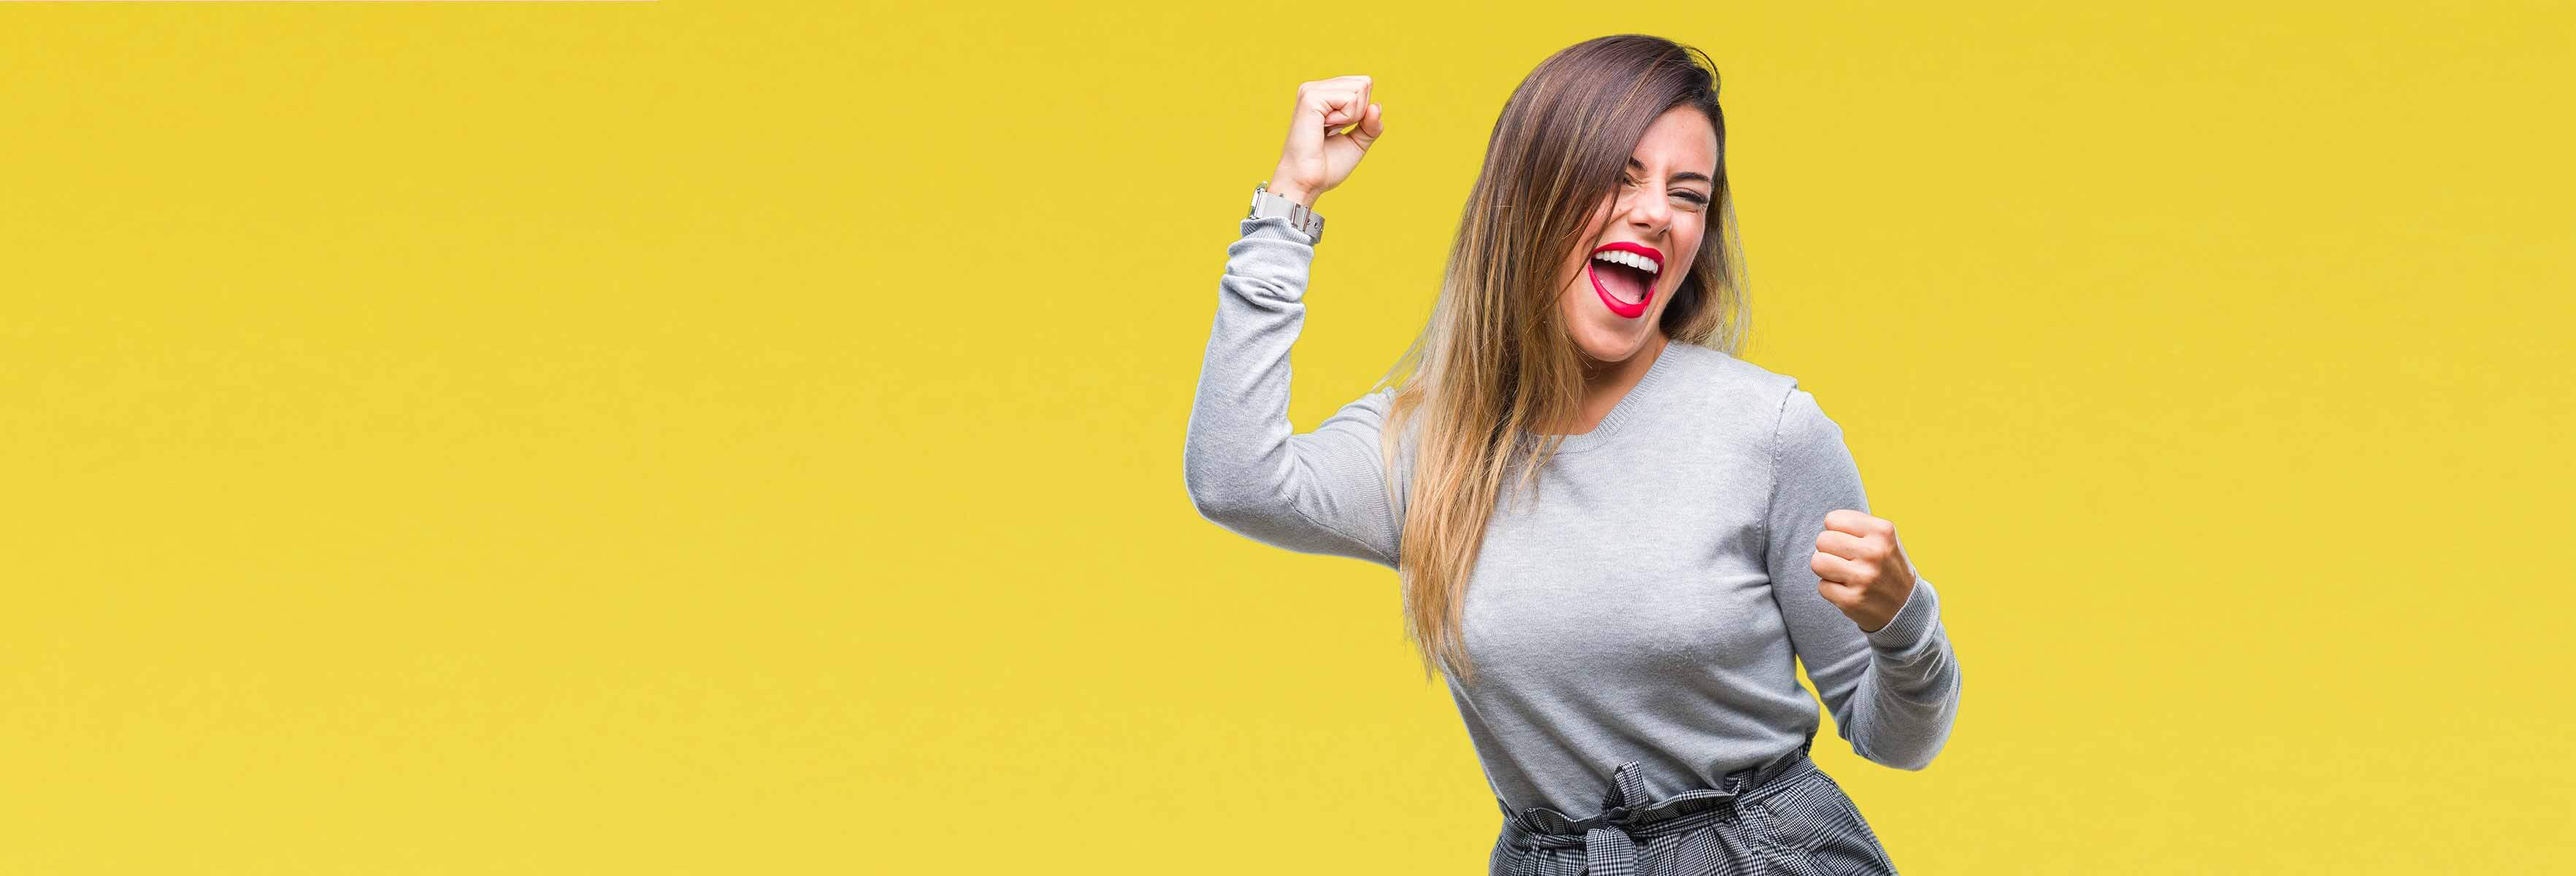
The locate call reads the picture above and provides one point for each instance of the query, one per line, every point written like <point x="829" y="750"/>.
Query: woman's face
<point x="1659" y="215"/>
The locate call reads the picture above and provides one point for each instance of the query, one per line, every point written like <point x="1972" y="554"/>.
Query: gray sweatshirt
<point x="1645" y="606"/>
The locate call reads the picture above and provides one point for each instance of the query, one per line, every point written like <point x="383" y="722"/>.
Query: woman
<point x="1618" y="626"/>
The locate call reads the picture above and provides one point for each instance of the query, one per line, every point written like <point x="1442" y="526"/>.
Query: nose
<point x="1648" y="213"/>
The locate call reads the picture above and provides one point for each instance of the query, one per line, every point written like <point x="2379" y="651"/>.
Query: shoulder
<point x="1714" y="370"/>
<point x="1785" y="414"/>
<point x="1715" y="380"/>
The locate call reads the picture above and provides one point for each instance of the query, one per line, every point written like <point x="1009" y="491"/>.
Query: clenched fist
<point x="1314" y="159"/>
<point x="1861" y="569"/>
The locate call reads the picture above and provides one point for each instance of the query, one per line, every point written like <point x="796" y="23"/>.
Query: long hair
<point x="1495" y="358"/>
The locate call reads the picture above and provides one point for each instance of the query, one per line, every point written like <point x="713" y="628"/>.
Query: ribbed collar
<point x="1629" y="408"/>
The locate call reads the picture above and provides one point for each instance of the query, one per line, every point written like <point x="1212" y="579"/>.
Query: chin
<point x="1610" y="345"/>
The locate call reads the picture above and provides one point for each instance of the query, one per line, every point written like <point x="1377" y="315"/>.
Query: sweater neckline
<point x="1639" y="398"/>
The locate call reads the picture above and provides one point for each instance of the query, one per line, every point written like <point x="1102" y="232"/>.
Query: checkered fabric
<point x="1784" y="816"/>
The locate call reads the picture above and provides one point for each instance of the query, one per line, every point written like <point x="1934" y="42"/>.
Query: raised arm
<point x="1322" y="492"/>
<point x="1325" y="491"/>
<point x="1893" y="691"/>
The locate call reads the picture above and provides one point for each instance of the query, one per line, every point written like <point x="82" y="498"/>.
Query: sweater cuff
<point x="1910" y="631"/>
<point x="1274" y="256"/>
<point x="1275" y="227"/>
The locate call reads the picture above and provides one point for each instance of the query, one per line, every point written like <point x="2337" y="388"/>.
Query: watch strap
<point x="1268" y="203"/>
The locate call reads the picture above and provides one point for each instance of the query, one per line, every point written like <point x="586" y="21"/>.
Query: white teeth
<point x="1633" y="260"/>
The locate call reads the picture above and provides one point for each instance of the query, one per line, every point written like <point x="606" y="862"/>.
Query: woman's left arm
<point x="1867" y="627"/>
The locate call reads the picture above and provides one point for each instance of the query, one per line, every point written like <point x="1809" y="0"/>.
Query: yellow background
<point x="695" y="437"/>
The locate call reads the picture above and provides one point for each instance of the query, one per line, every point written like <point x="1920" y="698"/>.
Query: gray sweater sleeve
<point x="1320" y="492"/>
<point x="1894" y="692"/>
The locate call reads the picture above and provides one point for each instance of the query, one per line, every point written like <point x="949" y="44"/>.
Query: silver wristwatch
<point x="1268" y="203"/>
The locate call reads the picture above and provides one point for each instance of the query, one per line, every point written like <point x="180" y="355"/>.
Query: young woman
<point x="1613" y="535"/>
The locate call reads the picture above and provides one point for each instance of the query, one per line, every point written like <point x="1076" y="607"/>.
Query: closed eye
<point x="1692" y="197"/>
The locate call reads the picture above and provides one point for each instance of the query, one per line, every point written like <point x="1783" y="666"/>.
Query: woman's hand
<point x="1861" y="569"/>
<point x="1314" y="161"/>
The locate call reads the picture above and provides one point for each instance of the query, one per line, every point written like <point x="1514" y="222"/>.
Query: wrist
<point x="1292" y="192"/>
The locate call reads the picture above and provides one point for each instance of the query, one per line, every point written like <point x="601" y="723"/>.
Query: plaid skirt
<point x="1783" y="816"/>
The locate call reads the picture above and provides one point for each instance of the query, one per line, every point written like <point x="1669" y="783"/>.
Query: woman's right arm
<point x="1324" y="491"/>
<point x="1320" y="492"/>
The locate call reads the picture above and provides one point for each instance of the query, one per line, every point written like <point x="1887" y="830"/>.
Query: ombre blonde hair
<point x="1495" y="358"/>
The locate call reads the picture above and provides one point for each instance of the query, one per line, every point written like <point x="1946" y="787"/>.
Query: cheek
<point x="1689" y="244"/>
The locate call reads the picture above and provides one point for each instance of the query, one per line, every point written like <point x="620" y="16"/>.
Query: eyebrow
<point x="1684" y="176"/>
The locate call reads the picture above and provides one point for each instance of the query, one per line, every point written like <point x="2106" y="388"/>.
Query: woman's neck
<point x="1605" y="383"/>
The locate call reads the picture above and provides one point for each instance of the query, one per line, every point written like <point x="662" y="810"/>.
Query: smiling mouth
<point x="1624" y="275"/>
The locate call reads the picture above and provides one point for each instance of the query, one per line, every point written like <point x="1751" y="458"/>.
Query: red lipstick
<point x="1622" y="308"/>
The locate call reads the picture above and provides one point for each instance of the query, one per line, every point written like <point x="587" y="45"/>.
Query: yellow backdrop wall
<point x="697" y="437"/>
